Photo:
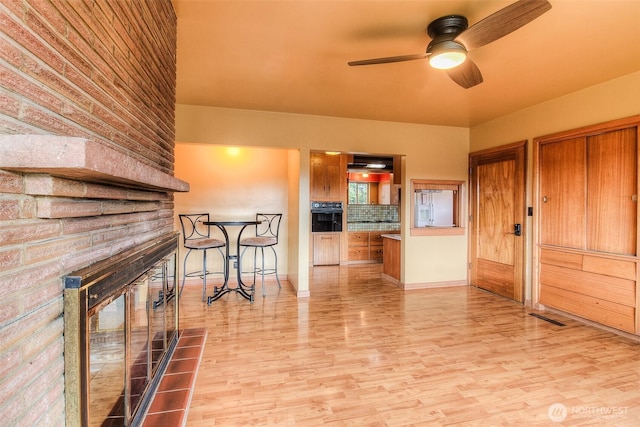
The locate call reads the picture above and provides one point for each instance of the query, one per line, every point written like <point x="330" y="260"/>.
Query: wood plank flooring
<point x="362" y="352"/>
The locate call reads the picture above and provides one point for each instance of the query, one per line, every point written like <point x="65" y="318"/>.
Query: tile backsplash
<point x="372" y="213"/>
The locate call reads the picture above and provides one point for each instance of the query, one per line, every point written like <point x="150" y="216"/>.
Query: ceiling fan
<point x="451" y="40"/>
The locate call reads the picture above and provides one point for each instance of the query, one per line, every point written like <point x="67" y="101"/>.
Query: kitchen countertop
<point x="373" y="226"/>
<point x="392" y="236"/>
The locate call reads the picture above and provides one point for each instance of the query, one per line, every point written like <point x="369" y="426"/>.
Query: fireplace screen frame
<point x="96" y="287"/>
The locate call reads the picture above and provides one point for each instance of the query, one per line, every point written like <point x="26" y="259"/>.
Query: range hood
<point x="370" y="164"/>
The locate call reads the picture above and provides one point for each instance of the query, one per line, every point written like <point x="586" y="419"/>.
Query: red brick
<point x="11" y="310"/>
<point x="85" y="119"/>
<point x="28" y="210"/>
<point x="48" y="407"/>
<point x="56" y="248"/>
<point x="9" y="209"/>
<point x="17" y="282"/>
<point x="52" y="32"/>
<point x="9" y="360"/>
<point x="82" y="225"/>
<point x="29" y="298"/>
<point x="47" y="185"/>
<point x="53" y="123"/>
<point x="23" y="378"/>
<point x="49" y="14"/>
<point x="10" y="53"/>
<point x="17" y="7"/>
<point x="76" y="260"/>
<point x="95" y="191"/>
<point x="134" y="218"/>
<point x="28" y="231"/>
<point x="9" y="125"/>
<point x="65" y="208"/>
<point x="9" y="258"/>
<point x="111" y="235"/>
<point x="44" y="337"/>
<point x="10" y="182"/>
<point x="30" y="88"/>
<point x="16" y="332"/>
<point x="8" y="105"/>
<point x="32" y="44"/>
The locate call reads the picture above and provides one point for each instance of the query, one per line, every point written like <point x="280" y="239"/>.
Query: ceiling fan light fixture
<point x="448" y="57"/>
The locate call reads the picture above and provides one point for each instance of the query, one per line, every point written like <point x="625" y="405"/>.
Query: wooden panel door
<point x="563" y="193"/>
<point x="612" y="192"/>
<point x="497" y="220"/>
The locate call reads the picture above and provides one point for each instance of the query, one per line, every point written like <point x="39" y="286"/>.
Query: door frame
<point x="518" y="152"/>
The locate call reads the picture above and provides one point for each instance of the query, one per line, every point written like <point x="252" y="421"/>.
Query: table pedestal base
<point x="244" y="290"/>
<point x="219" y="292"/>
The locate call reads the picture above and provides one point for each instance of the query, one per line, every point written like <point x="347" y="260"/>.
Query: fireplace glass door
<point x="128" y="339"/>
<point x="107" y="364"/>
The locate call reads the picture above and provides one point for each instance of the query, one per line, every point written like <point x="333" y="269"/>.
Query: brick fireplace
<point x="87" y="101"/>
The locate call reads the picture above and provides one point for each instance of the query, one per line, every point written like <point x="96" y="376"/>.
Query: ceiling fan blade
<point x="388" y="59"/>
<point x="466" y="74"/>
<point x="502" y="22"/>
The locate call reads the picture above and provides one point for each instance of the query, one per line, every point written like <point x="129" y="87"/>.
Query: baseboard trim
<point x="431" y="285"/>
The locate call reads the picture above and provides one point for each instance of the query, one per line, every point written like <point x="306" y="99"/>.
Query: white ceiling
<point x="291" y="56"/>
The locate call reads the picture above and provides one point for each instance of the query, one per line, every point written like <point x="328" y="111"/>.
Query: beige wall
<point x="431" y="152"/>
<point x="233" y="183"/>
<point x="608" y="101"/>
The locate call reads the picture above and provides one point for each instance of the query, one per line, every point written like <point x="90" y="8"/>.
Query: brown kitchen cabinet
<point x="375" y="246"/>
<point x="326" y="248"/>
<point x="327" y="176"/>
<point x="391" y="262"/>
<point x="358" y="243"/>
<point x="366" y="246"/>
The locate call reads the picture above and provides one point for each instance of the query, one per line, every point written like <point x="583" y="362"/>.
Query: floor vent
<point x="555" y="322"/>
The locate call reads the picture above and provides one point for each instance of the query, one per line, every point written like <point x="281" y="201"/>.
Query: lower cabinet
<point x="391" y="263"/>
<point x="375" y="246"/>
<point x="358" y="246"/>
<point x="326" y="248"/>
<point x="366" y="246"/>
<point x="597" y="287"/>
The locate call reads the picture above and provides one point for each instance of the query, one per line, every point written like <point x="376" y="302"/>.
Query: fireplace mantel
<point x="84" y="160"/>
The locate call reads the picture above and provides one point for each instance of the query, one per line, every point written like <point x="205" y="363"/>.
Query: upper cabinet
<point x="327" y="176"/>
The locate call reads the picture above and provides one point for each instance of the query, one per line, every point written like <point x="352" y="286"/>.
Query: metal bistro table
<point x="244" y="290"/>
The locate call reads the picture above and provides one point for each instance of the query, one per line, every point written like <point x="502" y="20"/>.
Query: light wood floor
<point x="361" y="352"/>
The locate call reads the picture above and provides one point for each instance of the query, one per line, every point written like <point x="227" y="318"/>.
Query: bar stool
<point x="266" y="237"/>
<point x="197" y="237"/>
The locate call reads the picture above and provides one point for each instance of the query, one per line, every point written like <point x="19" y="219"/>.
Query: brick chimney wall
<point x="104" y="71"/>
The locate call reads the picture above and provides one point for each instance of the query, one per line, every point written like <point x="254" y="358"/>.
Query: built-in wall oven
<point x="326" y="217"/>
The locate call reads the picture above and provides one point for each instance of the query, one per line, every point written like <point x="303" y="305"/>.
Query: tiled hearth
<point x="170" y="405"/>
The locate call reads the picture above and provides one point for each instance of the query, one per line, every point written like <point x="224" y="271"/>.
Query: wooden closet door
<point x="612" y="192"/>
<point x="563" y="193"/>
<point x="587" y="229"/>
